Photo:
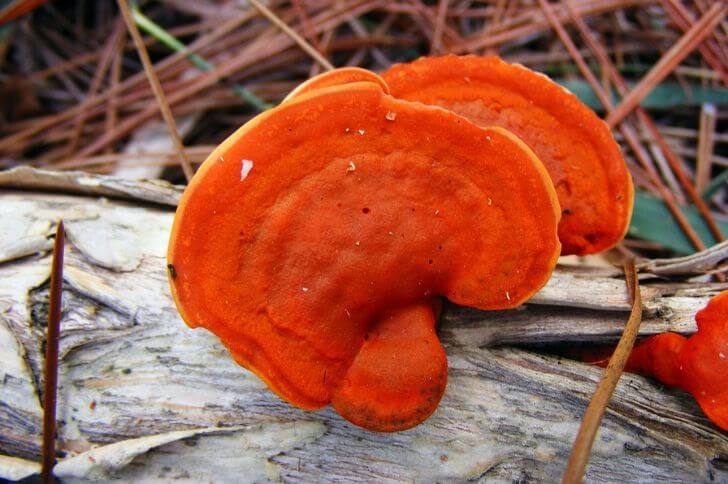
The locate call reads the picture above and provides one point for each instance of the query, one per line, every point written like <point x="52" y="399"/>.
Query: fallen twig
<point x="593" y="416"/>
<point x="50" y="386"/>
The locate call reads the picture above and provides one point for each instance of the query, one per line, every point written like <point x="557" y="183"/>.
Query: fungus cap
<point x="314" y="240"/>
<point x="698" y="364"/>
<point x="591" y="178"/>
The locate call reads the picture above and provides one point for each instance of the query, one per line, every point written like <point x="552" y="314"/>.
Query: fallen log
<point x="143" y="396"/>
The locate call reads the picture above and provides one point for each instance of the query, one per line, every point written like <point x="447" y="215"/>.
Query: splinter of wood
<point x="51" y="359"/>
<point x="593" y="416"/>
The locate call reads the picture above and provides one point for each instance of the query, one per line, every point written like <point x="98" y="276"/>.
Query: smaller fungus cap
<point x="316" y="238"/>
<point x="698" y="364"/>
<point x="591" y="178"/>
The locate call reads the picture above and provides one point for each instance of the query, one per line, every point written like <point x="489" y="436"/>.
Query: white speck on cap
<point x="245" y="168"/>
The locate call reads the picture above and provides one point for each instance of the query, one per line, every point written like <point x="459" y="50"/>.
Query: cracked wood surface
<point x="141" y="396"/>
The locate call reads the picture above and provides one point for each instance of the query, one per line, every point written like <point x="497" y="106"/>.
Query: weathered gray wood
<point x="700" y="262"/>
<point x="15" y="469"/>
<point x="154" y="191"/>
<point x="130" y="369"/>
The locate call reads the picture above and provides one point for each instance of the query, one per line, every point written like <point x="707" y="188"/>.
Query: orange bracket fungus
<point x="698" y="364"/>
<point x="315" y="241"/>
<point x="591" y="179"/>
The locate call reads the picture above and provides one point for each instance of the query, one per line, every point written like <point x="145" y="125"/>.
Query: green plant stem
<point x="156" y="31"/>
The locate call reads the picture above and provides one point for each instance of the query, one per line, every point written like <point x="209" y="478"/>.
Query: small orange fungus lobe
<point x="591" y="178"/>
<point x="320" y="269"/>
<point x="381" y="393"/>
<point x="698" y="364"/>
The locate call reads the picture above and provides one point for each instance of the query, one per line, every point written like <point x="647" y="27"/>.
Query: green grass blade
<point x="651" y="220"/>
<point x="664" y="96"/>
<point x="156" y="31"/>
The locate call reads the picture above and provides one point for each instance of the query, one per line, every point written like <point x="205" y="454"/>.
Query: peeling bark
<point x="141" y="396"/>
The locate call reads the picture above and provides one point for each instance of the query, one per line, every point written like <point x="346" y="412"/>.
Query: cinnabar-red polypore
<point x="698" y="364"/>
<point x="315" y="240"/>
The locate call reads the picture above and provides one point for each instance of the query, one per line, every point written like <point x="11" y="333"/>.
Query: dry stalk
<point x="50" y="382"/>
<point x="581" y="449"/>
<point x="157" y="88"/>
<point x="669" y="61"/>
<point x="316" y="55"/>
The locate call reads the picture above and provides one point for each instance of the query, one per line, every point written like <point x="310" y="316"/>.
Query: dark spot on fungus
<point x="172" y="271"/>
<point x="365" y="210"/>
<point x="566" y="211"/>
